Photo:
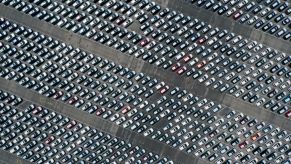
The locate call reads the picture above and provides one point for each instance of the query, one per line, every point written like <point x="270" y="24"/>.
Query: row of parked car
<point x="226" y="80"/>
<point x="39" y="135"/>
<point x="46" y="67"/>
<point x="80" y="103"/>
<point x="259" y="94"/>
<point x="272" y="16"/>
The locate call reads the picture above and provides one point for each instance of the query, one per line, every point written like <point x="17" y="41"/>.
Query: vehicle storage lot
<point x="177" y="111"/>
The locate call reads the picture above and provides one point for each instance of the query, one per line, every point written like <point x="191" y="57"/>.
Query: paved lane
<point x="139" y="65"/>
<point x="100" y="124"/>
<point x="227" y="23"/>
<point x="8" y="158"/>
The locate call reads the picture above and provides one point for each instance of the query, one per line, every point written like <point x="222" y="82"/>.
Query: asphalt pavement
<point x="227" y="23"/>
<point x="8" y="158"/>
<point x="100" y="124"/>
<point x="139" y="65"/>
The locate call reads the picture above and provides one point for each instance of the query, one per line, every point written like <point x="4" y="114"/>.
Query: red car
<point x="144" y="42"/>
<point x="288" y="114"/>
<point x="100" y="111"/>
<point x="212" y="134"/>
<point x="120" y="20"/>
<point x="132" y="150"/>
<point x="71" y="124"/>
<point x="37" y="110"/>
<point x="145" y="157"/>
<point x="164" y="89"/>
<point x="73" y="100"/>
<point x="79" y="17"/>
<point x="58" y="95"/>
<point x="181" y="70"/>
<point x="255" y="136"/>
<point x="125" y="109"/>
<point x="175" y="66"/>
<point x="202" y="40"/>
<point x="237" y="15"/>
<point x="50" y="139"/>
<point x="201" y="64"/>
<point x="243" y="144"/>
<point x="187" y="58"/>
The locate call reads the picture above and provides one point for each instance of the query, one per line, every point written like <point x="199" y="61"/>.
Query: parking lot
<point x="142" y="75"/>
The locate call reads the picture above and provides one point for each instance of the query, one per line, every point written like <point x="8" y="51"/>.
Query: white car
<point x="15" y="149"/>
<point x="183" y="146"/>
<point x="81" y="140"/>
<point x="199" y="151"/>
<point x="134" y="126"/>
<point x="209" y="105"/>
<point x="219" y="122"/>
<point x="213" y="56"/>
<point x="245" y="80"/>
<point x="166" y="112"/>
<point x="174" y="129"/>
<point x="71" y="147"/>
<point x="212" y="41"/>
<point x="239" y="92"/>
<point x="210" y="81"/>
<point x="221" y="160"/>
<point x="127" y="123"/>
<point x="209" y="66"/>
<point x="230" y="12"/>
<point x="179" y="56"/>
<point x="160" y="61"/>
<point x="241" y="131"/>
<point x="186" y="121"/>
<point x="257" y="72"/>
<point x="160" y="85"/>
<point x="265" y="11"/>
<point x="202" y="102"/>
<point x="187" y="97"/>
<point x="238" y="156"/>
<point x="144" y="104"/>
<point x="178" y="119"/>
<point x="114" y="117"/>
<point x="188" y="135"/>
<point x="236" y="39"/>
<point x="254" y="59"/>
<point x="229" y="76"/>
<point x="260" y="102"/>
<point x="280" y="159"/>
<point x="120" y="120"/>
<point x="193" y="61"/>
<point x="148" y="132"/>
<point x="203" y="78"/>
<point x="132" y="112"/>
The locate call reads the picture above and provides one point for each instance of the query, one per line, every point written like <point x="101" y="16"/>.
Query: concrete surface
<point x="227" y="23"/>
<point x="8" y="158"/>
<point x="139" y="65"/>
<point x="100" y="124"/>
